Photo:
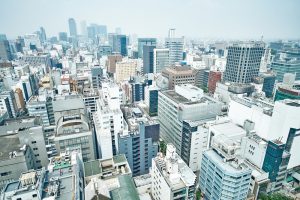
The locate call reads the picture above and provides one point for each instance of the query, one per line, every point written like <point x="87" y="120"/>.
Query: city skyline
<point x="197" y="19"/>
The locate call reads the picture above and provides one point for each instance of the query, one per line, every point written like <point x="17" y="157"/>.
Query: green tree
<point x="275" y="196"/>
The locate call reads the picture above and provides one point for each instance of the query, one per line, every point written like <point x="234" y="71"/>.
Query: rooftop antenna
<point x="261" y="38"/>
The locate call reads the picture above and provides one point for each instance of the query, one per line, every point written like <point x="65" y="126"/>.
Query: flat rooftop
<point x="68" y="104"/>
<point x="9" y="143"/>
<point x="181" y="99"/>
<point x="228" y="167"/>
<point x="126" y="190"/>
<point x="228" y="129"/>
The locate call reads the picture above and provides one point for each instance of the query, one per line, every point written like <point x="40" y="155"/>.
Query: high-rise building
<point x="19" y="99"/>
<point x="243" y="61"/>
<point x="171" y="178"/>
<point x="73" y="127"/>
<point x="95" y="30"/>
<point x="268" y="84"/>
<point x="213" y="78"/>
<point x="286" y="62"/>
<point x="5" y="52"/>
<point x="145" y="42"/>
<point x="221" y="176"/>
<point x="151" y="99"/>
<point x="96" y="73"/>
<point x="119" y="43"/>
<point x="32" y="41"/>
<point x="140" y="143"/>
<point x="111" y="62"/>
<point x="108" y="120"/>
<point x="10" y="102"/>
<point x="63" y="36"/>
<point x="175" y="46"/>
<point x="3" y="37"/>
<point x="179" y="75"/>
<point x="148" y="58"/>
<point x="125" y="70"/>
<point x="177" y="108"/>
<point x="43" y="35"/>
<point x="276" y="163"/>
<point x="160" y="59"/>
<point x="72" y="27"/>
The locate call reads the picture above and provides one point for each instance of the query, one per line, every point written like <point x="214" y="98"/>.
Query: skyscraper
<point x="148" y="55"/>
<point x="175" y="46"/>
<point x="160" y="59"/>
<point x="243" y="61"/>
<point x="5" y="53"/>
<point x="63" y="36"/>
<point x="145" y="41"/>
<point x="72" y="27"/>
<point x="119" y="43"/>
<point x="43" y="37"/>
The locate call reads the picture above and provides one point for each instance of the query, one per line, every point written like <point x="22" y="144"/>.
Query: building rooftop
<point x="126" y="190"/>
<point x="230" y="167"/>
<point x="228" y="129"/>
<point x="107" y="167"/>
<point x="9" y="144"/>
<point x="68" y="104"/>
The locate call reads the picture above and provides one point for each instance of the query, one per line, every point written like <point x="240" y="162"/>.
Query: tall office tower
<point x="32" y="41"/>
<point x="213" y="78"/>
<point x="276" y="163"/>
<point x="190" y="105"/>
<point x="125" y="70"/>
<point x="286" y="62"/>
<point x="3" y="37"/>
<point x="83" y="28"/>
<point x="119" y="43"/>
<point x="43" y="34"/>
<point x="221" y="175"/>
<point x="19" y="99"/>
<point x="112" y="61"/>
<point x="73" y="127"/>
<point x="148" y="56"/>
<point x="140" y="143"/>
<point x="95" y="30"/>
<point x="10" y="101"/>
<point x="243" y="61"/>
<point x="175" y="46"/>
<point x="97" y="73"/>
<point x="160" y="59"/>
<point x="63" y="36"/>
<point x="72" y="27"/>
<point x="268" y="84"/>
<point x="178" y="75"/>
<point x="145" y="42"/>
<point x="171" y="178"/>
<point x="151" y="99"/>
<point x="137" y="90"/>
<point x="108" y="120"/>
<point x="5" y="52"/>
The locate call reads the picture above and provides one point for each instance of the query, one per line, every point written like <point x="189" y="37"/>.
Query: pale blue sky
<point x="229" y="19"/>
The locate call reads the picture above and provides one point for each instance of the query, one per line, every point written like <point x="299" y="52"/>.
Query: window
<point x="34" y="195"/>
<point x="33" y="142"/>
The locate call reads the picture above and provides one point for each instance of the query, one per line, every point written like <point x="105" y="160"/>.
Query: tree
<point x="275" y="196"/>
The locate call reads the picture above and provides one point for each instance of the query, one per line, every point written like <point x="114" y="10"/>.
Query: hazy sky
<point x="229" y="19"/>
